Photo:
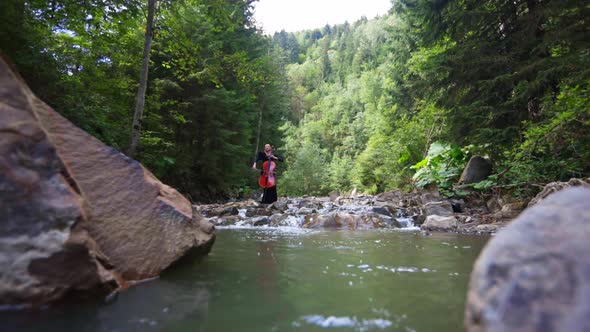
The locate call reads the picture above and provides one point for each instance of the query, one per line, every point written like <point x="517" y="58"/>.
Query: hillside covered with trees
<point x="405" y="99"/>
<point x="398" y="101"/>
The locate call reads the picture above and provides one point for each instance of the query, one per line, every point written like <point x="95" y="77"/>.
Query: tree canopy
<point x="353" y="105"/>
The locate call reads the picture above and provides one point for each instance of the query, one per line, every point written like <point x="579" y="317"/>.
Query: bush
<point x="442" y="167"/>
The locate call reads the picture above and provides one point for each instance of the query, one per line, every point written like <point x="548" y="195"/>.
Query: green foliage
<point x="495" y="75"/>
<point x="307" y="172"/>
<point x="211" y="71"/>
<point x="557" y="148"/>
<point x="442" y="167"/>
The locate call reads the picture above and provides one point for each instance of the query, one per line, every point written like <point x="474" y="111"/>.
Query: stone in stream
<point x="534" y="275"/>
<point x="277" y="219"/>
<point x="440" y="223"/>
<point x="220" y="211"/>
<point x="259" y="211"/>
<point x="77" y="216"/>
<point x="441" y="208"/>
<point x="343" y="220"/>
<point x="383" y="210"/>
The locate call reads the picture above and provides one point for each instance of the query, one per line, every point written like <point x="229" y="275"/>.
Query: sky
<point x="296" y="15"/>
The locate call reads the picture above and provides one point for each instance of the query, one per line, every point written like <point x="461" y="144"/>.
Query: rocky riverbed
<point x="425" y="210"/>
<point x="408" y="211"/>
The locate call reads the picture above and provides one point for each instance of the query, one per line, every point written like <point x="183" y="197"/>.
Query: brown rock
<point x="141" y="224"/>
<point x="77" y="214"/>
<point x="332" y="220"/>
<point x="40" y="209"/>
<point x="534" y="275"/>
<point x="258" y="212"/>
<point x="509" y="211"/>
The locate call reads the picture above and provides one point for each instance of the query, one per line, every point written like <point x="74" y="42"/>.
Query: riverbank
<point x="425" y="210"/>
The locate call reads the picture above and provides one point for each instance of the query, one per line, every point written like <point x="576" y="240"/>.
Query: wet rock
<point x="77" y="216"/>
<point x="280" y="205"/>
<point x="366" y="201"/>
<point x="534" y="274"/>
<point x="306" y="210"/>
<point x="333" y="220"/>
<point x="388" y="221"/>
<point x="478" y="169"/>
<point x="440" y="223"/>
<point x="258" y="212"/>
<point x="221" y="211"/>
<point x="418" y="219"/>
<point x="260" y="221"/>
<point x="320" y="221"/>
<point x="556" y="186"/>
<point x="443" y="208"/>
<point x="277" y="219"/>
<point x="372" y="221"/>
<point x="383" y="210"/>
<point x="226" y="220"/>
<point x="309" y="204"/>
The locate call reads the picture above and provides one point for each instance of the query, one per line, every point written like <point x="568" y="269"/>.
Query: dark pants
<point x="269" y="195"/>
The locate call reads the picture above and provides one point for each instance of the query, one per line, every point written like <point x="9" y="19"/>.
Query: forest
<point x="396" y="102"/>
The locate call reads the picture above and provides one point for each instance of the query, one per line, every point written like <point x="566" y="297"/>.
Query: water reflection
<point x="151" y="306"/>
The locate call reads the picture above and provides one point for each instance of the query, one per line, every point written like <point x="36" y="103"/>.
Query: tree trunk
<point x="143" y="79"/>
<point x="260" y="107"/>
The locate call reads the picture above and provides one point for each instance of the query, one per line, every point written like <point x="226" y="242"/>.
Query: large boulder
<point x="77" y="216"/>
<point x="478" y="169"/>
<point x="534" y="275"/>
<point x="557" y="186"/>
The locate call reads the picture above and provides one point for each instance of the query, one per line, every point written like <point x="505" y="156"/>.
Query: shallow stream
<point x="290" y="279"/>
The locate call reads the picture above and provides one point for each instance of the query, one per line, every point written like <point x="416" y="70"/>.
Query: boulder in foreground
<point x="534" y="275"/>
<point x="77" y="216"/>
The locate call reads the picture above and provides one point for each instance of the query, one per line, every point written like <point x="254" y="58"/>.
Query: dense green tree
<point x="349" y="105"/>
<point x="492" y="75"/>
<point x="211" y="73"/>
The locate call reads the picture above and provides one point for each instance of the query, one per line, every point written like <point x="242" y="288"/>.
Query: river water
<point x="289" y="279"/>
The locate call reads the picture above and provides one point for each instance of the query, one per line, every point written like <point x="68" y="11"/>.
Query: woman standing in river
<point x="270" y="193"/>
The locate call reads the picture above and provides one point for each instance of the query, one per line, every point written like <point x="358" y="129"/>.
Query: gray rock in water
<point x="260" y="221"/>
<point x="535" y="274"/>
<point x="383" y="210"/>
<point x="477" y="169"/>
<point x="440" y="223"/>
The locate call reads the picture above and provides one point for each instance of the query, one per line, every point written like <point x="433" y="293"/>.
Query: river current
<point x="289" y="279"/>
